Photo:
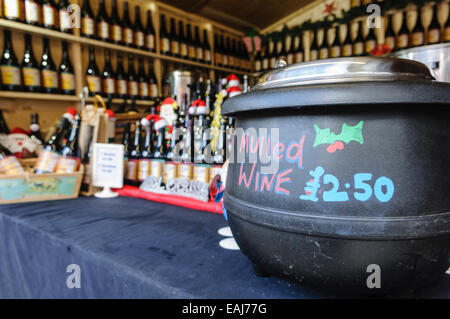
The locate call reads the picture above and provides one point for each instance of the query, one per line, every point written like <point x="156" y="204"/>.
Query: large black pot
<point x="360" y="202"/>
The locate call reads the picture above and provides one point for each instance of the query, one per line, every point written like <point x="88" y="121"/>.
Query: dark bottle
<point x="161" y="144"/>
<point x="152" y="84"/>
<point x="11" y="10"/>
<point x="86" y="161"/>
<point x="103" y="23"/>
<point x="220" y="151"/>
<point x="389" y="37"/>
<point x="402" y="41"/>
<point x="135" y="151"/>
<point x="108" y="77"/>
<point x="116" y="25"/>
<point x="35" y="132"/>
<point x="447" y="30"/>
<point x="121" y="79"/>
<point x="266" y="57"/>
<point x="347" y="47"/>
<point x="190" y="43"/>
<point x="65" y="19"/>
<point x="418" y="33"/>
<point x="49" y="14"/>
<point x="4" y="129"/>
<point x="164" y="36"/>
<point x="126" y="141"/>
<point x="9" y="65"/>
<point x="230" y="55"/>
<point x="314" y="50"/>
<point x="324" y="51"/>
<point x="30" y="68"/>
<point x="54" y="142"/>
<point x="139" y="35"/>
<point x="174" y="43"/>
<point x="133" y="88"/>
<point x="182" y="40"/>
<point x="148" y="149"/>
<point x="223" y="52"/>
<point x="206" y="48"/>
<point x="370" y="42"/>
<point x="290" y="55"/>
<point x="299" y="52"/>
<point x="66" y="72"/>
<point x="127" y="26"/>
<point x="258" y="59"/>
<point x="236" y="55"/>
<point x="150" y="34"/>
<point x="87" y="20"/>
<point x="93" y="75"/>
<point x="198" y="45"/>
<point x="70" y="157"/>
<point x="48" y="70"/>
<point x="33" y="11"/>
<point x="217" y="51"/>
<point x="434" y="29"/>
<point x="142" y="80"/>
<point x="358" y="43"/>
<point x="336" y="45"/>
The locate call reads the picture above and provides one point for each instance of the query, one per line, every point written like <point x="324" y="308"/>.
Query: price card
<point x="107" y="161"/>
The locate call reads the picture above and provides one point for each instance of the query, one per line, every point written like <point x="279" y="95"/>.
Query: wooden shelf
<point x="106" y="45"/>
<point x="38" y="96"/>
<point x="120" y="101"/>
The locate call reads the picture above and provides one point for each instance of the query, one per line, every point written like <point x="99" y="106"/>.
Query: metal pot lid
<point x="341" y="70"/>
<point x="342" y="82"/>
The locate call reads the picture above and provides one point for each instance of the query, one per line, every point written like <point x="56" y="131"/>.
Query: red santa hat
<point x="233" y="90"/>
<point x="199" y="106"/>
<point x="169" y="101"/>
<point x="70" y="113"/>
<point x="145" y="121"/>
<point x="232" y="80"/>
<point x="110" y="114"/>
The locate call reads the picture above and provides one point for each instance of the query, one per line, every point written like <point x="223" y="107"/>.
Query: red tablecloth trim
<point x="132" y="191"/>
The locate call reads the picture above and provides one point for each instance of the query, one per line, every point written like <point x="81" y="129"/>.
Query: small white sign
<point x="107" y="170"/>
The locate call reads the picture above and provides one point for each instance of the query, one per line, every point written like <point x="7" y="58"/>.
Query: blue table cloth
<point x="131" y="248"/>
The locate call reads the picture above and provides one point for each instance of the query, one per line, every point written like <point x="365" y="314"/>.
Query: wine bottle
<point x="133" y="88"/>
<point x="183" y="46"/>
<point x="152" y="84"/>
<point x="336" y="45"/>
<point x="370" y="41"/>
<point x="9" y="165"/>
<point x="447" y="29"/>
<point x="314" y="50"/>
<point x="126" y="141"/>
<point x="86" y="161"/>
<point x="66" y="72"/>
<point x="32" y="12"/>
<point x="206" y="48"/>
<point x="142" y="80"/>
<point x="30" y="68"/>
<point x="108" y="77"/>
<point x="127" y="26"/>
<point x="174" y="43"/>
<point x="418" y="33"/>
<point x="4" y="129"/>
<point x="434" y="29"/>
<point x="146" y="153"/>
<point x="93" y="75"/>
<point x="358" y="43"/>
<point x="217" y="51"/>
<point x="324" y="51"/>
<point x="198" y="46"/>
<point x="139" y="37"/>
<point x="347" y="47"/>
<point x="164" y="36"/>
<point x="161" y="144"/>
<point x="70" y="158"/>
<point x="121" y="79"/>
<point x="116" y="25"/>
<point x="150" y="33"/>
<point x="190" y="43"/>
<point x="48" y="70"/>
<point x="259" y="59"/>
<point x="9" y="65"/>
<point x="12" y="10"/>
<point x="223" y="52"/>
<point x="403" y="34"/>
<point x="87" y="20"/>
<point x="103" y="23"/>
<point x="389" y="37"/>
<point x="229" y="53"/>
<point x="290" y="56"/>
<point x="299" y="52"/>
<point x="35" y="132"/>
<point x="135" y="154"/>
<point x="65" y="18"/>
<point x="49" y="14"/>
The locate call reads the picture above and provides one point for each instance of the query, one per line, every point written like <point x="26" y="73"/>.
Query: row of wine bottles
<point x="358" y="46"/>
<point x="118" y="83"/>
<point x="31" y="76"/>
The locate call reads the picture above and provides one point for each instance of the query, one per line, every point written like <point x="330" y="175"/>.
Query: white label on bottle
<point x="50" y="79"/>
<point x="88" y="26"/>
<point x="358" y="48"/>
<point x="108" y="85"/>
<point x="258" y="65"/>
<point x="103" y="27"/>
<point x="347" y="50"/>
<point x="150" y="41"/>
<point x="273" y="60"/>
<point x="207" y="56"/>
<point x="165" y="45"/>
<point x="49" y="15"/>
<point x="153" y="90"/>
<point x="117" y="33"/>
<point x="290" y="58"/>
<point x="265" y="63"/>
<point x="31" y="11"/>
<point x="93" y="83"/>
<point x="402" y="41"/>
<point x="336" y="51"/>
<point x="417" y="38"/>
<point x="199" y="53"/>
<point x="122" y="87"/>
<point x="64" y="20"/>
<point x="370" y="45"/>
<point x="433" y="36"/>
<point x="156" y="168"/>
<point x="133" y="88"/>
<point x="143" y="89"/>
<point x="183" y="50"/>
<point x="128" y="36"/>
<point x="139" y="35"/>
<point x="11" y="8"/>
<point x="390" y="41"/>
